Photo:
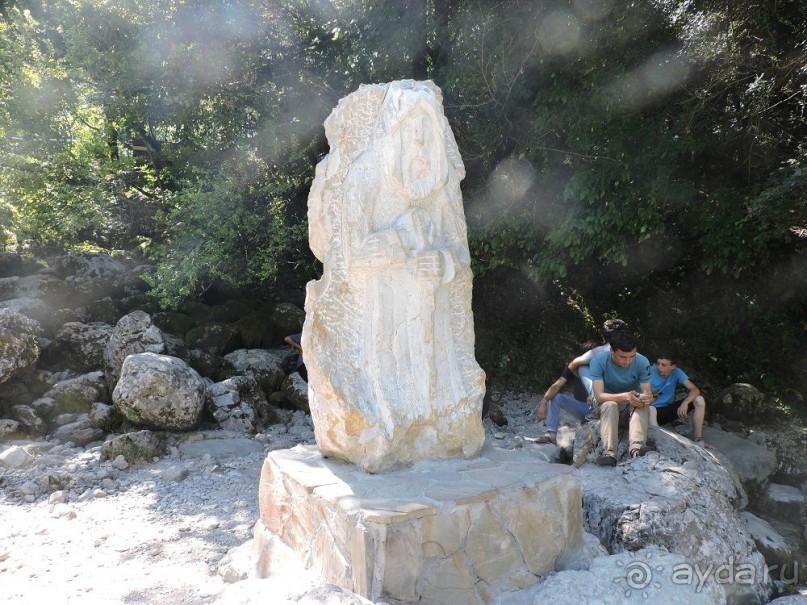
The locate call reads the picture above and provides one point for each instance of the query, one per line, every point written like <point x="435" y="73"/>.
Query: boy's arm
<point x="290" y="341"/>
<point x="627" y="397"/>
<point x="647" y="393"/>
<point x="693" y="392"/>
<point x="581" y="360"/>
<point x="553" y="390"/>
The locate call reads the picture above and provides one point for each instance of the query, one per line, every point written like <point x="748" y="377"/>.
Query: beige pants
<point x="609" y="426"/>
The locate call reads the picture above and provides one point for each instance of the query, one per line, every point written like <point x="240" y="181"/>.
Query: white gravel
<point x="155" y="533"/>
<point x="90" y="532"/>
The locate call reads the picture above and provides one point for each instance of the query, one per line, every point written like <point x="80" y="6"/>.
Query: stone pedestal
<point x="441" y="532"/>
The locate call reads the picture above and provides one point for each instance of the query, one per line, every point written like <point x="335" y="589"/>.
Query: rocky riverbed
<point x="174" y="530"/>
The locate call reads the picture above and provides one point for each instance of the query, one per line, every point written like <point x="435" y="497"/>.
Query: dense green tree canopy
<point x="643" y="159"/>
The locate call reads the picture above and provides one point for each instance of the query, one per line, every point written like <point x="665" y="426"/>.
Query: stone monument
<point x="397" y="502"/>
<point x="388" y="336"/>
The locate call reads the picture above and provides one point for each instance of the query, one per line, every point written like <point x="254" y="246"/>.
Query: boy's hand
<point x="682" y="410"/>
<point x="541" y="410"/>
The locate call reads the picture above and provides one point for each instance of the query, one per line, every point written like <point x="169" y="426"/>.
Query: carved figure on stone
<point x="389" y="330"/>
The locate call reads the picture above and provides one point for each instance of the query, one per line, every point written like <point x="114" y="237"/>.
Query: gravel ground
<point x="74" y="528"/>
<point x="154" y="533"/>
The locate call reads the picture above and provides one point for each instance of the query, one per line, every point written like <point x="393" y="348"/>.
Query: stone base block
<point x="441" y="532"/>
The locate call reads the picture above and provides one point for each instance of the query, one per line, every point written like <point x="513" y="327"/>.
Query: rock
<point x="680" y="498"/>
<point x="591" y="549"/>
<point x="46" y="407"/>
<point x="57" y="497"/>
<point x="29" y="419"/>
<point x="132" y="280"/>
<point x="77" y="395"/>
<point x="288" y="318"/>
<point x="103" y="311"/>
<point x="769" y="542"/>
<point x="8" y="287"/>
<point x="159" y="392"/>
<point x="743" y="402"/>
<point x="80" y="432"/>
<point x="218" y="447"/>
<point x="200" y="313"/>
<point x="176" y="347"/>
<point x="258" y="331"/>
<point x="78" y="347"/>
<point x="63" y="419"/>
<point x="295" y="392"/>
<point x="780" y="501"/>
<point x="32" y="308"/>
<point x="237" y="564"/>
<point x="233" y="309"/>
<point x="16" y="391"/>
<point x="104" y="416"/>
<point x="332" y="595"/>
<point x="790" y="600"/>
<point x="754" y="464"/>
<point x="15" y="457"/>
<point x="19" y="323"/>
<point x="175" y="474"/>
<point x="214" y="338"/>
<point x="497" y="417"/>
<point x="210" y="366"/>
<point x="90" y="265"/>
<point x="238" y="404"/>
<point x="264" y="365"/>
<point x="647" y="576"/>
<point x="120" y="463"/>
<point x="9" y="429"/>
<point x="44" y="287"/>
<point x="586" y="440"/>
<point x="178" y="324"/>
<point x="10" y="264"/>
<point x="137" y="447"/>
<point x="789" y="443"/>
<point x="19" y="344"/>
<point x="134" y="333"/>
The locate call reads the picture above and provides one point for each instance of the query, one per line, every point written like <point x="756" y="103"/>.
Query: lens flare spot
<point x="593" y="10"/>
<point x="559" y="33"/>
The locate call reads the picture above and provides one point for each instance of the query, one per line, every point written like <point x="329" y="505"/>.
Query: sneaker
<point x="605" y="460"/>
<point x="547" y="438"/>
<point x="638" y="451"/>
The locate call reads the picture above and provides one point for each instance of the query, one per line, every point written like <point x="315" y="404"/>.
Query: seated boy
<point x="581" y="405"/>
<point x="665" y="376"/>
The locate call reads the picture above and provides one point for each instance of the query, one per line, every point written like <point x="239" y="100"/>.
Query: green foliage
<point x="638" y="159"/>
<point x="233" y="225"/>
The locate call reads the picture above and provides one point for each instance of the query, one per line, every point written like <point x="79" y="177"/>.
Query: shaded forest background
<point x="642" y="159"/>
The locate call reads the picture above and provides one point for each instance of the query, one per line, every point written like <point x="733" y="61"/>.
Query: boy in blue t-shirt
<point x="621" y="383"/>
<point x="665" y="376"/>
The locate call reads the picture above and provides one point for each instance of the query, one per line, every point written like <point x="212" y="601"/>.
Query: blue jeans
<point x="584" y="373"/>
<point x="577" y="408"/>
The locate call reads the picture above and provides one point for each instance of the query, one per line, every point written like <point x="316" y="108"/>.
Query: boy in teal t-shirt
<point x="665" y="376"/>
<point x="617" y="378"/>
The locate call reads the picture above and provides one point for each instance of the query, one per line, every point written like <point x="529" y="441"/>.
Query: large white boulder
<point x="681" y="498"/>
<point x="160" y="392"/>
<point x="134" y="333"/>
